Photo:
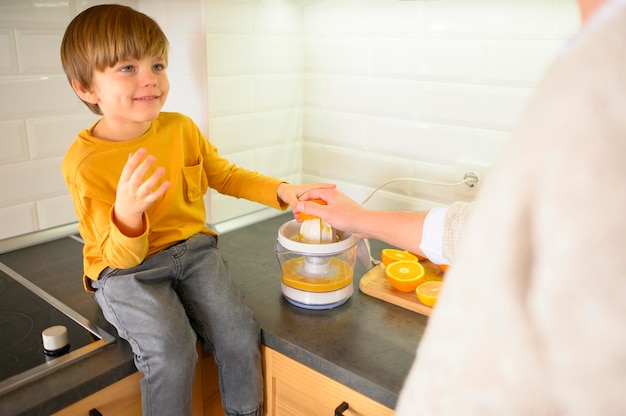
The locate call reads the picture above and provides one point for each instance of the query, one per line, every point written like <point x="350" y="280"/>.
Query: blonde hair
<point x="101" y="36"/>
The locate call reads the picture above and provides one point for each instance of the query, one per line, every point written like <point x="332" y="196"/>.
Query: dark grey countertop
<point x="365" y="344"/>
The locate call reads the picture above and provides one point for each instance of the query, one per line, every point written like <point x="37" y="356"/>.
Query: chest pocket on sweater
<point x="196" y="182"/>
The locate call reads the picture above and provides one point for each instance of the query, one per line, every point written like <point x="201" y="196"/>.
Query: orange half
<point x="428" y="293"/>
<point x="404" y="275"/>
<point x="303" y="217"/>
<point x="390" y="255"/>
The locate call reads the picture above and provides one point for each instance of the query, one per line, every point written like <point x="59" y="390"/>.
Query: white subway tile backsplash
<point x="277" y="17"/>
<point x="526" y="19"/>
<point x="230" y="95"/>
<point x="374" y="17"/>
<point x="486" y="146"/>
<point x="416" y="88"/>
<point x="352" y="165"/>
<point x="373" y="96"/>
<point x="363" y="95"/>
<point x="343" y="55"/>
<point x="433" y="59"/>
<point x="187" y="55"/>
<point x="278" y="54"/>
<point x="230" y="55"/>
<point x="253" y="131"/>
<point x="38" y="14"/>
<point x="315" y="90"/>
<point x="81" y="5"/>
<point x="245" y="54"/>
<point x="188" y="96"/>
<point x="397" y="57"/>
<point x="345" y="129"/>
<point x="565" y="19"/>
<point x="54" y="212"/>
<point x="36" y="96"/>
<point x="225" y="207"/>
<point x="415" y="140"/>
<point x="174" y="17"/>
<point x="517" y="62"/>
<point x="478" y="106"/>
<point x="8" y="55"/>
<point x="30" y="181"/>
<point x="435" y="181"/>
<point x="13" y="142"/>
<point x="273" y="92"/>
<point x="279" y="161"/>
<point x="17" y="220"/>
<point x="445" y="60"/>
<point x="51" y="136"/>
<point x="39" y="51"/>
<point x="229" y="17"/>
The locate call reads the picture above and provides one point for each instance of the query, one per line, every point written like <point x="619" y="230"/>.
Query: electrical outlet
<point x="471" y="179"/>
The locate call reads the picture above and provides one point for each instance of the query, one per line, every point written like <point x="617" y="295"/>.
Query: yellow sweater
<point x="92" y="167"/>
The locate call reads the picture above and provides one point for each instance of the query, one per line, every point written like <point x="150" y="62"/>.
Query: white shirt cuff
<point x="432" y="235"/>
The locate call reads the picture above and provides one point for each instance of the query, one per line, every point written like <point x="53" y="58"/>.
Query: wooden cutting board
<point x="375" y="284"/>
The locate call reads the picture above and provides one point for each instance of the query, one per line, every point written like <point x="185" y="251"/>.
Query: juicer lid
<point x="291" y="229"/>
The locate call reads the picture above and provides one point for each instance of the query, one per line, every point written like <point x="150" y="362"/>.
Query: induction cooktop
<point x="25" y="312"/>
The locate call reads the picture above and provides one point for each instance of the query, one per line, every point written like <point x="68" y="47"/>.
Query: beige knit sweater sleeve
<point x="531" y="318"/>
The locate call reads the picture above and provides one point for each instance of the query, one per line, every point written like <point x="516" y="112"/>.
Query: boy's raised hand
<point x="135" y="194"/>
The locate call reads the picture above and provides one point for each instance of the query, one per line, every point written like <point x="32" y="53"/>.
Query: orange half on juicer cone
<point x="303" y="217"/>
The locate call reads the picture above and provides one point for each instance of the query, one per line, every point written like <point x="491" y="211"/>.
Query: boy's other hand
<point x="136" y="193"/>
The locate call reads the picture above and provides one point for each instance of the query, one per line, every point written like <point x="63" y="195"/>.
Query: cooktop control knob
<point x="55" y="340"/>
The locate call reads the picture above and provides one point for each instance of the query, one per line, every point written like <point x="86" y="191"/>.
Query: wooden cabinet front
<point x="292" y="389"/>
<point x="123" y="398"/>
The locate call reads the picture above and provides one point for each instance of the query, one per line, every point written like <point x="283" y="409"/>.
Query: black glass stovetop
<point x="25" y="311"/>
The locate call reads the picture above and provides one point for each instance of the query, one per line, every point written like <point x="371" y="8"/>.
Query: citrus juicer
<point x="318" y="274"/>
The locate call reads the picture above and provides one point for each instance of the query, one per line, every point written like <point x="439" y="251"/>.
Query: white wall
<point x="254" y="70"/>
<point x="39" y="117"/>
<point x="426" y="89"/>
<point x="351" y="91"/>
<point x="422" y="89"/>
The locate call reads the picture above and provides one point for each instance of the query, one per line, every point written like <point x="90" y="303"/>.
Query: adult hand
<point x="398" y="228"/>
<point x="340" y="211"/>
<point x="290" y="194"/>
<point x="136" y="194"/>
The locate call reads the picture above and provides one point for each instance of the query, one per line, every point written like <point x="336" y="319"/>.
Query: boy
<point x="148" y="256"/>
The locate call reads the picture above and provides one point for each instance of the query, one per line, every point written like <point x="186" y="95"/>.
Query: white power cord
<point x="466" y="180"/>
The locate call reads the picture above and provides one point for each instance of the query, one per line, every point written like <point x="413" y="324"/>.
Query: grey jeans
<point x="165" y="304"/>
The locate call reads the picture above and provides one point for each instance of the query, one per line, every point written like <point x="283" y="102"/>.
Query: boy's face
<point x="132" y="91"/>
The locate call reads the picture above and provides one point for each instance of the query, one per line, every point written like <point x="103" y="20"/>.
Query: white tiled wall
<point x="39" y="117"/>
<point x="354" y="92"/>
<point x="421" y="89"/>
<point x="254" y="66"/>
<point x="426" y="89"/>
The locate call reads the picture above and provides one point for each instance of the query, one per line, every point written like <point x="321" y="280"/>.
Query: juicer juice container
<point x="315" y="276"/>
